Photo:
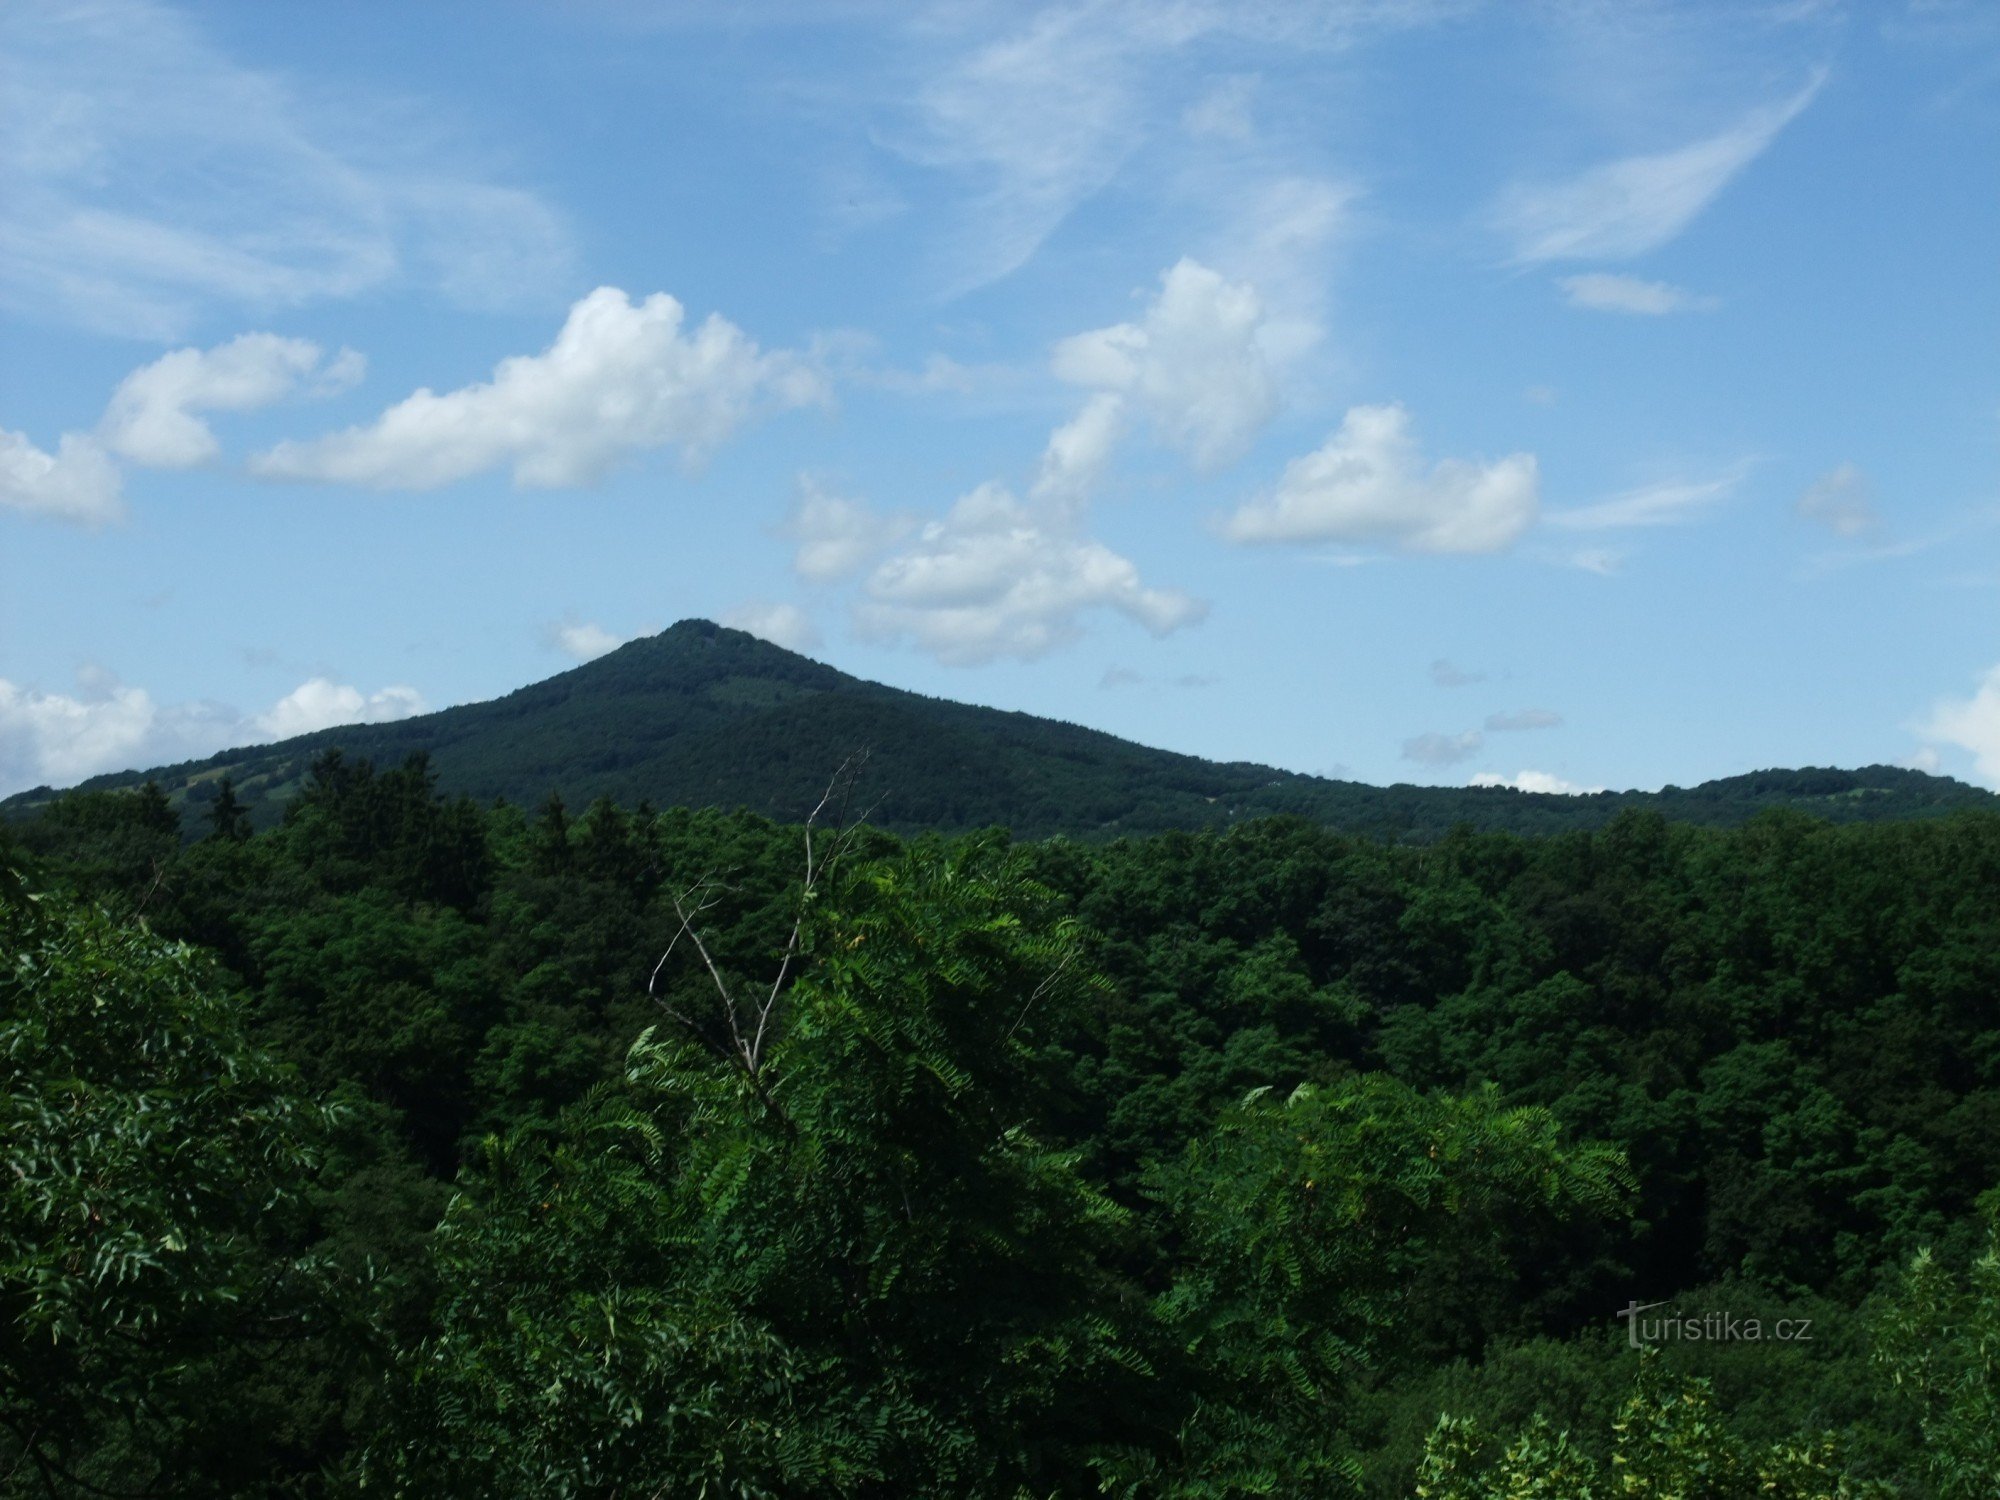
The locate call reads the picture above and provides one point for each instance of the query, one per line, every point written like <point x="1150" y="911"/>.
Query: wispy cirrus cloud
<point x="152" y="179"/>
<point x="1036" y="115"/>
<point x="1603" y="291"/>
<point x="1670" y="503"/>
<point x="1627" y="207"/>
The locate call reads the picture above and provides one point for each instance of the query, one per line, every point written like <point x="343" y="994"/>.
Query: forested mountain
<point x="704" y="716"/>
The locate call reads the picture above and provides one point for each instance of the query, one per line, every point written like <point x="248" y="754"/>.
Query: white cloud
<point x="1443" y="749"/>
<point x="59" y="739"/>
<point x="77" y="482"/>
<point x="1367" y="484"/>
<point x="1533" y="781"/>
<point x="1039" y="117"/>
<point x="1628" y="207"/>
<point x="1040" y="120"/>
<point x="1925" y="759"/>
<point x="1527" y="718"/>
<point x="1223" y="111"/>
<point x="1667" y="504"/>
<point x="1193" y="364"/>
<point x="1972" y="724"/>
<point x="783" y="625"/>
<point x="54" y="739"/>
<point x="1839" y="500"/>
<point x="582" y="639"/>
<point x="1603" y="561"/>
<point x="1445" y="675"/>
<point x="997" y="578"/>
<point x="152" y="419"/>
<point x="1078" y="451"/>
<point x="618" y="378"/>
<point x="152" y="178"/>
<point x="1601" y="291"/>
<point x="319" y="703"/>
<point x="1278" y="234"/>
<point x="837" y="538"/>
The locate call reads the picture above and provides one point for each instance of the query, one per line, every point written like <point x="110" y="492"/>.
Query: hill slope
<point x="700" y="715"/>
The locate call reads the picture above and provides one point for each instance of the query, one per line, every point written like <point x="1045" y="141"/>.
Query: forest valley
<point x="421" y="1147"/>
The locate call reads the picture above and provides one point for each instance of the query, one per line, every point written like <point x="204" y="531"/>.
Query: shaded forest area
<point x="430" y="1148"/>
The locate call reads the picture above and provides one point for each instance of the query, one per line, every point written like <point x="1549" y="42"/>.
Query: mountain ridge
<point x="703" y="715"/>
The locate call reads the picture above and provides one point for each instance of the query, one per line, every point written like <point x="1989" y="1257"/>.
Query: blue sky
<point x="1566" y="394"/>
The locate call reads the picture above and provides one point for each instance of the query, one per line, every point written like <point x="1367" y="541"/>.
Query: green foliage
<point x="1669" y="1443"/>
<point x="1307" y="1228"/>
<point x="1938" y="1337"/>
<point x="155" y="1159"/>
<point x="984" y="1210"/>
<point x="852" y="1269"/>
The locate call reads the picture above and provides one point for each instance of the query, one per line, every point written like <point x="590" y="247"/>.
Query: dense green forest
<point x="413" y="1145"/>
<point x="703" y="716"/>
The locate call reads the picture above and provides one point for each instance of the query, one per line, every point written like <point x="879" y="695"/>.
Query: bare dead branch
<point x="820" y="860"/>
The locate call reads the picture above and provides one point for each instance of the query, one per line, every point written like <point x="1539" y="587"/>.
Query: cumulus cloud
<point x="1533" y="781"/>
<point x="1840" y="501"/>
<point x="618" y="379"/>
<point x="1445" y="675"/>
<point x="78" y="482"/>
<point x="836" y="538"/>
<point x="1527" y="718"/>
<point x="996" y="577"/>
<point x="581" y="639"/>
<point x="151" y="178"/>
<point x="320" y="703"/>
<point x="1368" y="484"/>
<point x="58" y="739"/>
<point x="1628" y="207"/>
<point x="783" y="625"/>
<point x="1601" y="291"/>
<point x="152" y="416"/>
<point x="1972" y="724"/>
<point x="1443" y="749"/>
<point x="1670" y="503"/>
<point x="1192" y="364"/>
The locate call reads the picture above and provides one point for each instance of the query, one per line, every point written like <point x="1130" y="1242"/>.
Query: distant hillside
<point x="700" y="715"/>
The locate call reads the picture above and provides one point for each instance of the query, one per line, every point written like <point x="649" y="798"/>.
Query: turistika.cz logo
<point x="1707" y="1328"/>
